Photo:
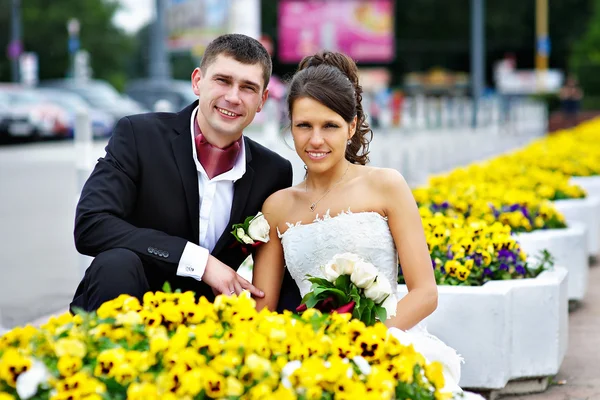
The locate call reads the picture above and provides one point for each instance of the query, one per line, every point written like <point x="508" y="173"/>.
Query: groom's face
<point x="230" y="94"/>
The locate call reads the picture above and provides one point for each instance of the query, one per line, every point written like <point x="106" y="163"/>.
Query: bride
<point x="345" y="206"/>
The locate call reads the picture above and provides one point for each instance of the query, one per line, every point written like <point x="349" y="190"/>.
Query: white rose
<point x="364" y="274"/>
<point x="243" y="237"/>
<point x="29" y="381"/>
<point x="346" y="262"/>
<point x="378" y="290"/>
<point x="390" y="304"/>
<point x="259" y="228"/>
<point x="331" y="271"/>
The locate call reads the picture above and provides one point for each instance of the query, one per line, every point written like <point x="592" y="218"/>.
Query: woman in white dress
<point x="345" y="206"/>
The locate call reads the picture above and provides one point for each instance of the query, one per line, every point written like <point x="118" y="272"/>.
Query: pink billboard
<point x="363" y="29"/>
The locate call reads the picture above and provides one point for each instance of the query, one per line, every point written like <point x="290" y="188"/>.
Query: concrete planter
<point x="586" y="211"/>
<point x="568" y="247"/>
<point x="505" y="330"/>
<point x="591" y="184"/>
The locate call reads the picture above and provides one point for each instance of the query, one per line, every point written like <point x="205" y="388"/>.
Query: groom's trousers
<point x="112" y="273"/>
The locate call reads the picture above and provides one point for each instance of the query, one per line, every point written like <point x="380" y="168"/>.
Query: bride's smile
<point x="320" y="136"/>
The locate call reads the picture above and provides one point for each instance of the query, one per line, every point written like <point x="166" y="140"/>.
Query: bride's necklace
<point x="313" y="206"/>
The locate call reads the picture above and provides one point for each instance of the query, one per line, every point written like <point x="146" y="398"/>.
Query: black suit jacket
<point x="143" y="196"/>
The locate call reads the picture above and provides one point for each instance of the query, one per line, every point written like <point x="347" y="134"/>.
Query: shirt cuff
<point x="193" y="261"/>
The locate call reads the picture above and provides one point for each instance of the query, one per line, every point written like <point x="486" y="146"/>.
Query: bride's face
<point x="320" y="134"/>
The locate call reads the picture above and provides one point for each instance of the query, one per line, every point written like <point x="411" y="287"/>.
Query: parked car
<point x="161" y="95"/>
<point x="102" y="122"/>
<point x="30" y="115"/>
<point x="99" y="95"/>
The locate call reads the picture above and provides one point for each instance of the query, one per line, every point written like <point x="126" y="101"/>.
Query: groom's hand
<point x="224" y="280"/>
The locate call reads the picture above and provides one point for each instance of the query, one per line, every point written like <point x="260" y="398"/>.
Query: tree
<point x="45" y="33"/>
<point x="585" y="60"/>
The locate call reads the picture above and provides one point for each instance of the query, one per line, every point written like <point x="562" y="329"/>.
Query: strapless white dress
<point x="306" y="247"/>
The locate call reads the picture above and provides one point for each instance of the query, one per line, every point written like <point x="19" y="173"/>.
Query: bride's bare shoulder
<point x="281" y="202"/>
<point x="384" y="178"/>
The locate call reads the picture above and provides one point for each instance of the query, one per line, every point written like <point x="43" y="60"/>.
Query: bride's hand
<point x="224" y="280"/>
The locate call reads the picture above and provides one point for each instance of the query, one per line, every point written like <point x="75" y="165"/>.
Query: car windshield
<point x="23" y="97"/>
<point x="67" y="100"/>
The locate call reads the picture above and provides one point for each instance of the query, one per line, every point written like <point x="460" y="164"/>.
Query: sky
<point x="135" y="14"/>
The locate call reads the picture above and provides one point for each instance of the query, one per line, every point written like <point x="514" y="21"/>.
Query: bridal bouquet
<point x="353" y="286"/>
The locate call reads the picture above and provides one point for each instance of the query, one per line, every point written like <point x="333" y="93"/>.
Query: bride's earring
<point x="349" y="142"/>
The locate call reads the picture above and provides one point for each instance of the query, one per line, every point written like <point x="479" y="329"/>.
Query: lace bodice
<point x="308" y="247"/>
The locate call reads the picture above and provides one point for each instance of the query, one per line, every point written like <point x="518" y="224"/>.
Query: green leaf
<point x="343" y="283"/>
<point x="167" y="288"/>
<point x="381" y="313"/>
<point x="356" y="313"/>
<point x="310" y="303"/>
<point x="320" y="281"/>
<point x="306" y="297"/>
<point x="341" y="297"/>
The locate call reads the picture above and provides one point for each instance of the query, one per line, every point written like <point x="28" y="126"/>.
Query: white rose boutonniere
<point x="252" y="232"/>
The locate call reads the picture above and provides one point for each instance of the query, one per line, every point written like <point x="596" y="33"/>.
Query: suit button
<point x="160" y="253"/>
<point x="166" y="254"/>
<point x="150" y="249"/>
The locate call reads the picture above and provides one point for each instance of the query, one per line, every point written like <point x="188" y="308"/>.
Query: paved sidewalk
<point x="579" y="376"/>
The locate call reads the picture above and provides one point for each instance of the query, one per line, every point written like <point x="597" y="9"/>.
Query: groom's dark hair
<point x="241" y="48"/>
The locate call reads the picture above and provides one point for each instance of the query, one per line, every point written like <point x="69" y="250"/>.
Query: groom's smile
<point x="228" y="114"/>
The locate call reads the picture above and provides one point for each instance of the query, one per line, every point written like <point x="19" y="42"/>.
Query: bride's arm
<point x="407" y="229"/>
<point x="267" y="273"/>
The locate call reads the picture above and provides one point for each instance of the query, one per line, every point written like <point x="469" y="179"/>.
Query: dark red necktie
<point x="214" y="160"/>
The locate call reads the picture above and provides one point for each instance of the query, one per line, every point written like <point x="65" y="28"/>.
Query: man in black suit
<point x="160" y="205"/>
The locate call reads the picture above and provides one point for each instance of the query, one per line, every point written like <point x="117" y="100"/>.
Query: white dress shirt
<point x="216" y="196"/>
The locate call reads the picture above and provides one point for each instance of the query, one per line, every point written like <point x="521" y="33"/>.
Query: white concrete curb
<point x="591" y="184"/>
<point x="586" y="211"/>
<point x="569" y="249"/>
<point x="505" y="330"/>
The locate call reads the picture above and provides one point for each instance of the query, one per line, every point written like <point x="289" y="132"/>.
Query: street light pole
<point x="73" y="27"/>
<point x="16" y="44"/>
<point x="542" y="47"/>
<point x="159" y="59"/>
<point x="477" y="55"/>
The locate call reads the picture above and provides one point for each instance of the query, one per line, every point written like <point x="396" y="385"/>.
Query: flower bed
<point x="505" y="330"/>
<point x="508" y="172"/>
<point x="174" y="347"/>
<point x="522" y="210"/>
<point x="471" y="252"/>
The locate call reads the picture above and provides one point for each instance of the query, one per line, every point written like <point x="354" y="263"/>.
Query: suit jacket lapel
<point x="182" y="151"/>
<point x="241" y="191"/>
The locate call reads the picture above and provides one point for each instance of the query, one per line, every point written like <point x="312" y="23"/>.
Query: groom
<point x="160" y="204"/>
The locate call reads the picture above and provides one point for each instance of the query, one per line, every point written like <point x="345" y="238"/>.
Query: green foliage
<point x="44" y="27"/>
<point x="585" y="59"/>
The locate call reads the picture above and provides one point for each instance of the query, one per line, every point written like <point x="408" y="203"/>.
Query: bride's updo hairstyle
<point x="331" y="78"/>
